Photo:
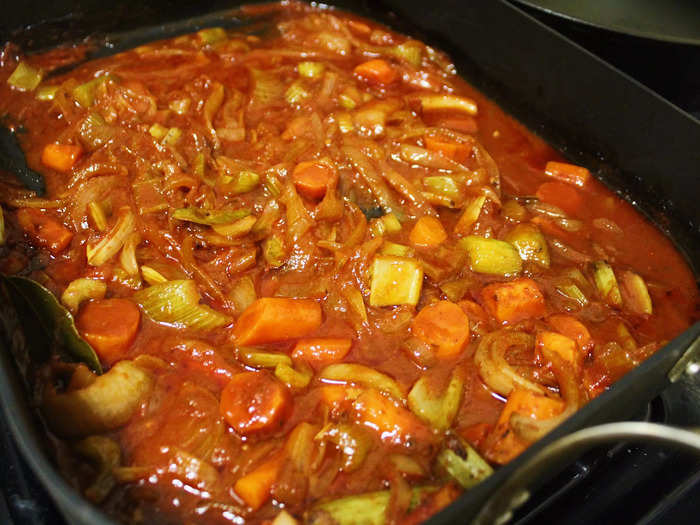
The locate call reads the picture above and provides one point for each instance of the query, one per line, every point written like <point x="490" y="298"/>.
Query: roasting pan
<point x="638" y="144"/>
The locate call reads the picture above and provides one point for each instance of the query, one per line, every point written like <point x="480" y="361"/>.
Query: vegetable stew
<point x="325" y="280"/>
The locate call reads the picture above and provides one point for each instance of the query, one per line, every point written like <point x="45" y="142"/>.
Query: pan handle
<point x="499" y="508"/>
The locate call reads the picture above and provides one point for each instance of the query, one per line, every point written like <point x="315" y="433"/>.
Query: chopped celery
<point x="267" y="87"/>
<point x="636" y="293"/>
<point x="395" y="280"/>
<point x="492" y="256"/>
<point x="530" y="243"/>
<point x="347" y="101"/>
<point x="273" y="251"/>
<point x="573" y="292"/>
<point x="296" y="93"/>
<point x="177" y="303"/>
<point x="152" y="276"/>
<point x="25" y="77"/>
<point x="97" y="215"/>
<point x="180" y="106"/>
<point x="95" y="132"/>
<point x="606" y="283"/>
<point x="158" y="131"/>
<point x="209" y="217"/>
<point x="310" y="69"/>
<point x="80" y="290"/>
<point x="243" y="182"/>
<point x="444" y="186"/>
<point x="272" y="184"/>
<point x="236" y="229"/>
<point x="467" y="468"/>
<point x="85" y="93"/>
<point x="411" y="51"/>
<point x="362" y="375"/>
<point x="291" y="377"/>
<point x="437" y="410"/>
<point x="345" y="123"/>
<point x="243" y="293"/>
<point x="335" y="42"/>
<point x="455" y="290"/>
<point x="470" y="215"/>
<point x="172" y="137"/>
<point x="46" y="93"/>
<point x="212" y="35"/>
<point x="258" y="359"/>
<point x="385" y="224"/>
<point x="391" y="248"/>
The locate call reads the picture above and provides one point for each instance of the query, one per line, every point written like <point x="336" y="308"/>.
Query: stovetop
<point x="627" y="484"/>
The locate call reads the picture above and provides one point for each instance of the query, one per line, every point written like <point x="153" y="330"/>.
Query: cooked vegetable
<point x="467" y="468"/>
<point x="427" y="232"/>
<point x="312" y="179"/>
<point x="514" y="301"/>
<point x="47" y="231"/>
<point x="635" y="293"/>
<point x="273" y="251"/>
<point x="310" y="69"/>
<point x="112" y="242"/>
<point x="106" y="404"/>
<point x="320" y="351"/>
<point x="242" y="182"/>
<point x="25" y="77"/>
<point x="470" y="215"/>
<point x="451" y="149"/>
<point x="530" y="243"/>
<point x="237" y="228"/>
<point x="254" y="487"/>
<point x="271" y="319"/>
<point x="564" y="196"/>
<point x="492" y="256"/>
<point x="61" y="157"/>
<point x="152" y="276"/>
<point x="243" y="293"/>
<point x="376" y="71"/>
<point x="361" y="375"/>
<point x="443" y="324"/>
<point x="438" y="409"/>
<point x="411" y="51"/>
<point x="104" y="453"/>
<point x="176" y="303"/>
<point x="395" y="280"/>
<point x="569" y="173"/>
<point x="352" y="441"/>
<point x="255" y="402"/>
<point x="85" y="93"/>
<point x="209" y="217"/>
<point x="97" y="215"/>
<point x="110" y="326"/>
<point x="292" y="377"/>
<point x="258" y="359"/>
<point x="606" y="283"/>
<point x="445" y="102"/>
<point x="80" y="290"/>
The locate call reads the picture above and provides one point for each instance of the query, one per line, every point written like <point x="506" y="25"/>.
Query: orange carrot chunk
<point x="255" y="487"/>
<point x="569" y="173"/>
<point x="443" y="324"/>
<point x="322" y="350"/>
<point x="110" y="326"/>
<point x="45" y="230"/>
<point x="273" y="319"/>
<point x="376" y="71"/>
<point x="562" y="195"/>
<point x="502" y="445"/>
<point x="573" y="328"/>
<point x="254" y="402"/>
<point x="448" y="148"/>
<point x="428" y="231"/>
<point x="514" y="301"/>
<point x="312" y="179"/>
<point x="552" y="342"/>
<point x="61" y="157"/>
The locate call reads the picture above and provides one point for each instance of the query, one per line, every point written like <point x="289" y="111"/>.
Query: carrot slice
<point x="323" y="350"/>
<point x="61" y="157"/>
<point x="569" y="173"/>
<point x="255" y="487"/>
<point x="552" y="342"/>
<point x="376" y="71"/>
<point x="359" y="27"/>
<point x="273" y="319"/>
<point x="514" y="301"/>
<point x="443" y="324"/>
<point x="464" y="124"/>
<point x="562" y="195"/>
<point x="110" y="326"/>
<point x="45" y="230"/>
<point x="448" y="148"/>
<point x="428" y="231"/>
<point x="254" y="402"/>
<point x="573" y="328"/>
<point x="312" y="179"/>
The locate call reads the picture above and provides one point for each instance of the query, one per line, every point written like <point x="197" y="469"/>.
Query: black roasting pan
<point x="640" y="145"/>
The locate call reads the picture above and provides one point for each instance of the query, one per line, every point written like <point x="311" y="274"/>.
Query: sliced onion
<point x="111" y="243"/>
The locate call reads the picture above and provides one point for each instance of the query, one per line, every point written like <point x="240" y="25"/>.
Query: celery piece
<point x="46" y="93"/>
<point x="80" y="290"/>
<point x="437" y="410"/>
<point x="391" y="223"/>
<point x="362" y="375"/>
<point x="468" y="468"/>
<point x="177" y="303"/>
<point x="410" y="51"/>
<point x="346" y="101"/>
<point x="25" y="77"/>
<point x="492" y="256"/>
<point x="345" y="123"/>
<point x="180" y="106"/>
<point x="456" y="290"/>
<point x="470" y="215"/>
<point x="395" y="280"/>
<point x="258" y="359"/>
<point x="291" y="377"/>
<point x="444" y="186"/>
<point x="573" y="292"/>
<point x="606" y="283"/>
<point x="209" y="217"/>
<point x="242" y="182"/>
<point x="273" y="251"/>
<point x="296" y="93"/>
<point x="172" y="137"/>
<point x="152" y="276"/>
<point x="84" y="94"/>
<point x="158" y="131"/>
<point x="530" y="243"/>
<point x="635" y="293"/>
<point x="212" y="35"/>
<point x="272" y="184"/>
<point x="310" y="69"/>
<point x="391" y="248"/>
<point x="267" y="87"/>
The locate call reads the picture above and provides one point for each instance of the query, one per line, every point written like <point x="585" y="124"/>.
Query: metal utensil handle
<point x="514" y="492"/>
